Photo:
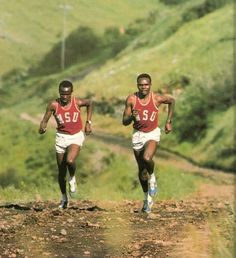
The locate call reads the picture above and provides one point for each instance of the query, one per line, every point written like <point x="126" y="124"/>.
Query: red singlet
<point x="68" y="119"/>
<point x="148" y="114"/>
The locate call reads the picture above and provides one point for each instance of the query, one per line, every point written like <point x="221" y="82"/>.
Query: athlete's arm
<point x="170" y="101"/>
<point x="127" y="114"/>
<point x="89" y="108"/>
<point x="49" y="111"/>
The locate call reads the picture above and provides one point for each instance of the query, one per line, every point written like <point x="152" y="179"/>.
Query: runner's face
<point x="65" y="95"/>
<point x="144" y="86"/>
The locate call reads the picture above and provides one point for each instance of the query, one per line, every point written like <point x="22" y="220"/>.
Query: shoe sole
<point x="147" y="211"/>
<point x="150" y="208"/>
<point x="63" y="207"/>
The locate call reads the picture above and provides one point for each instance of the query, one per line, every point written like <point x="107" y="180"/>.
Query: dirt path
<point x="111" y="229"/>
<point x="193" y="227"/>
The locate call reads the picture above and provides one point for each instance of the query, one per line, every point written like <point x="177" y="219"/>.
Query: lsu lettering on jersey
<point x="68" y="118"/>
<point x="148" y="114"/>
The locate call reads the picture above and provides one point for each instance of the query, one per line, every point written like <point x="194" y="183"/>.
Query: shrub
<point x="115" y="40"/>
<point x="201" y="10"/>
<point x="191" y="115"/>
<point x="197" y="102"/>
<point x="10" y="177"/>
<point x="172" y="2"/>
<point x="82" y="43"/>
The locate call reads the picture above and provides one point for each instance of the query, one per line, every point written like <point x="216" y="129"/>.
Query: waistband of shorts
<point x="67" y="134"/>
<point x="135" y="130"/>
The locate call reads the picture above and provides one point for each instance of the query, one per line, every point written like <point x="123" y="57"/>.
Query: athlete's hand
<point x="88" y="129"/>
<point x="168" y="128"/>
<point x="135" y="114"/>
<point x="42" y="130"/>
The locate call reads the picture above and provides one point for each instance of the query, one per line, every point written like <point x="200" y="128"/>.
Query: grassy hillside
<point x="189" y="60"/>
<point x="196" y="54"/>
<point x="193" y="60"/>
<point x="194" y="51"/>
<point x="29" y="29"/>
<point x="216" y="149"/>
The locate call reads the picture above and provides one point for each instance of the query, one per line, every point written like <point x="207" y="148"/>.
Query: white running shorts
<point x="140" y="138"/>
<point x="64" y="140"/>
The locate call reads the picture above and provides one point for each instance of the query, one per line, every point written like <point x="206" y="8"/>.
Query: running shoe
<point x="147" y="206"/>
<point x="72" y="186"/>
<point x="152" y="188"/>
<point x="63" y="204"/>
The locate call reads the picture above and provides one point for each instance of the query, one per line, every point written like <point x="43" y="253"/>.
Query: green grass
<point x="119" y="181"/>
<point x="27" y="193"/>
<point x="216" y="149"/>
<point x="175" y="183"/>
<point x="195" y="51"/>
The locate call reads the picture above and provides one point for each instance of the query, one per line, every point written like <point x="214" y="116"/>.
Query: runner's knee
<point x="70" y="162"/>
<point x="147" y="158"/>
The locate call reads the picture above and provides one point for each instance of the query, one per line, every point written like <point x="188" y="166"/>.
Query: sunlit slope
<point x="28" y="29"/>
<point x="198" y="50"/>
<point x="217" y="147"/>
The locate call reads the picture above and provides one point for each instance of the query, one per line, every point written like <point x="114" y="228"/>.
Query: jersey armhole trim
<point x="55" y="111"/>
<point x="154" y="102"/>
<point x="75" y="105"/>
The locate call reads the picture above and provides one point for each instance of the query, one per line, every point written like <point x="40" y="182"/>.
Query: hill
<point x="29" y="29"/>
<point x="195" y="64"/>
<point x="185" y="57"/>
<point x="181" y="45"/>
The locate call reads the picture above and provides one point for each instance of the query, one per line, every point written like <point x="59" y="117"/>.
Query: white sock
<point x="152" y="178"/>
<point x="72" y="179"/>
<point x="147" y="197"/>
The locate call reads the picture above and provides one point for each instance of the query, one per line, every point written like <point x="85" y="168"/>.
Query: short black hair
<point x="144" y="75"/>
<point x="66" y="84"/>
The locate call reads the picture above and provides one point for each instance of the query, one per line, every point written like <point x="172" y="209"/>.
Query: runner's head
<point x="144" y="83"/>
<point x="66" y="84"/>
<point x="144" y="75"/>
<point x="65" y="91"/>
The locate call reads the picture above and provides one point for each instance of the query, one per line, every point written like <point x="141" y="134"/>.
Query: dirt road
<point x="115" y="229"/>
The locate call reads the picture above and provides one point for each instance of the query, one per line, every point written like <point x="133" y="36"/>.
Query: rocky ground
<point x="116" y="229"/>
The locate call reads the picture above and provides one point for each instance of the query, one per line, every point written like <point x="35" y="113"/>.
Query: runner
<point x="142" y="108"/>
<point x="69" y="135"/>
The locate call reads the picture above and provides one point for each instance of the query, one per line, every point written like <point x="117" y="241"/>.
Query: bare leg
<point x="150" y="150"/>
<point x="144" y="160"/>
<point x="62" y="170"/>
<point x="141" y="167"/>
<point x="72" y="153"/>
